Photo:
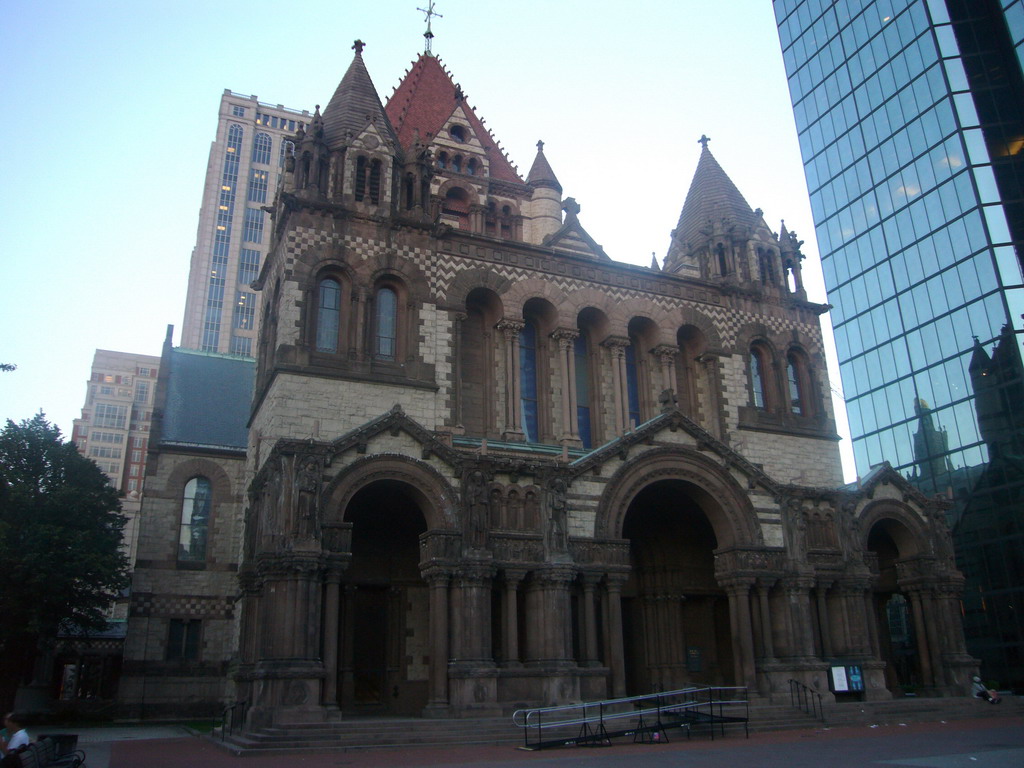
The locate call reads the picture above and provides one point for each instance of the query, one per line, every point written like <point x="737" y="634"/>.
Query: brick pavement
<point x="993" y="743"/>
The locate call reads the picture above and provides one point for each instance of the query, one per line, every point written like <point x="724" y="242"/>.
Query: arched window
<point x="386" y="325"/>
<point x="471" y="167"/>
<point x="328" y="315"/>
<point x="723" y="266"/>
<point x="632" y="387"/>
<point x="195" y="520"/>
<point x="456" y="203"/>
<point x="796" y="401"/>
<point x="528" y="380"/>
<point x="442" y="160"/>
<point x="375" y="170"/>
<point x="582" y="359"/>
<point x="758" y="378"/>
<point x="360" y="190"/>
<point x="261" y="147"/>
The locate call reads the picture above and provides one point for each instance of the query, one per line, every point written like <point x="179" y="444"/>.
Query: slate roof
<point x="712" y="196"/>
<point x="540" y="174"/>
<point x="425" y="100"/>
<point x="354" y="106"/>
<point x="208" y="400"/>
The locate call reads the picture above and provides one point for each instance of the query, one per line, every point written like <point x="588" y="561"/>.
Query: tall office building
<point x="911" y="122"/>
<point x="246" y="161"/>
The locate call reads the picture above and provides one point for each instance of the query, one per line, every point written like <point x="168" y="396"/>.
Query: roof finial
<point x="540" y="146"/>
<point x="428" y="35"/>
<point x="703" y="141"/>
<point x="358" y="46"/>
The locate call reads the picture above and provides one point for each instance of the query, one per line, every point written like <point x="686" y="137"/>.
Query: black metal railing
<point x="806" y="699"/>
<point x="232" y="716"/>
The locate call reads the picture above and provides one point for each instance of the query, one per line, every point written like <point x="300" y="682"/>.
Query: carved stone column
<point x="566" y="338"/>
<point x="923" y="651"/>
<point x="616" y="346"/>
<point x="357" y="349"/>
<point x="763" y="588"/>
<point x="555" y="622"/>
<point x="738" y="590"/>
<point x="510" y="619"/>
<point x="667" y="358"/>
<point x="459" y="320"/>
<point x="590" y="656"/>
<point x="798" y="597"/>
<point x="824" y="625"/>
<point x="332" y="607"/>
<point x="713" y="421"/>
<point x="472" y="581"/>
<point x="615" y="651"/>
<point x="513" y="407"/>
<point x="437" y="581"/>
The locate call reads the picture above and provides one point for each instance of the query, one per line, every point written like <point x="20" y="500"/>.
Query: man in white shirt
<point x="14" y="725"/>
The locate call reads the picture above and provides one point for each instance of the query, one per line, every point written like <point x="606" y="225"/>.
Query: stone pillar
<point x="871" y="621"/>
<point x="923" y="651"/>
<point x="473" y="584"/>
<point x="567" y="364"/>
<point x="936" y="640"/>
<point x="510" y="619"/>
<point x="798" y="595"/>
<point x="349" y="633"/>
<point x="667" y="358"/>
<point x="713" y="422"/>
<point x="590" y="655"/>
<point x="825" y="626"/>
<point x="738" y="591"/>
<point x="616" y="654"/>
<point x="555" y="622"/>
<point x="763" y="588"/>
<point x="358" y="349"/>
<point x="616" y="346"/>
<point x="460" y="319"/>
<point x="513" y="406"/>
<point x="437" y="581"/>
<point x="332" y="606"/>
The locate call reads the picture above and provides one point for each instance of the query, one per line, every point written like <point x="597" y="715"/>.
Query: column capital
<point x="666" y="353"/>
<point x="616" y="344"/>
<point x="510" y="328"/>
<point x="565" y="336"/>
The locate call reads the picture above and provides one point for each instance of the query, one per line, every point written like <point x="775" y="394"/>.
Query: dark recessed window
<point x="458" y="133"/>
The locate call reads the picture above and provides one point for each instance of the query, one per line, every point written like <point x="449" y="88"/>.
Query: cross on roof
<point x="540" y="146"/>
<point x="358" y="46"/>
<point x="428" y="35"/>
<point x="703" y="141"/>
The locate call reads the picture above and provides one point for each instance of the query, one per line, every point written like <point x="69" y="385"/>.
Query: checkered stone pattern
<point x="181" y="606"/>
<point x="441" y="268"/>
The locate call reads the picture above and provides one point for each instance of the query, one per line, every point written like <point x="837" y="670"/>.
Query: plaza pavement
<point x="992" y="743"/>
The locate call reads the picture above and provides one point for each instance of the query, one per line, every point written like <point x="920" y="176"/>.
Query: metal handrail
<point x="806" y="699"/>
<point x="227" y="721"/>
<point x="592" y="716"/>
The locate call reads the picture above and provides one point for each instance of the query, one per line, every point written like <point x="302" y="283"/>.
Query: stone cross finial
<point x="358" y="46"/>
<point x="571" y="207"/>
<point x="703" y="141"/>
<point x="540" y="146"/>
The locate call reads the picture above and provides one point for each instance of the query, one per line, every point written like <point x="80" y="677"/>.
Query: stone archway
<point x="676" y="625"/>
<point x="384" y="637"/>
<point x="891" y="541"/>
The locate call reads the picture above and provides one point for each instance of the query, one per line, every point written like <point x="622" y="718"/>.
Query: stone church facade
<point x="489" y="467"/>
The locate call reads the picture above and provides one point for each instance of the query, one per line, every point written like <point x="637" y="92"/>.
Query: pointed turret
<point x="546" y="202"/>
<point x="355" y="106"/>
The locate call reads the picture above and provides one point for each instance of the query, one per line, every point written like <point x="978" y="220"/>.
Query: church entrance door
<point x="898" y="637"/>
<point x="675" y="617"/>
<point x="385" y="619"/>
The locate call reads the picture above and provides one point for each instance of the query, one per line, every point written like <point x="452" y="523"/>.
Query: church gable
<point x="572" y="237"/>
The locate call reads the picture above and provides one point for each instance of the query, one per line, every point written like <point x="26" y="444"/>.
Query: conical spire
<point x="540" y="174"/>
<point x="355" y="105"/>
<point x="426" y="99"/>
<point x="712" y="196"/>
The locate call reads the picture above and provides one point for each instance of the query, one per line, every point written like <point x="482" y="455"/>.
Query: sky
<point x="112" y="107"/>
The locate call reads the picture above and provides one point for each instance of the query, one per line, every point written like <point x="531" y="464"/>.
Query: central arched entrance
<point x="384" y="637"/>
<point x="675" y="616"/>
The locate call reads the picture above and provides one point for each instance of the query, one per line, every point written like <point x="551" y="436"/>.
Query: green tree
<point x="61" y="562"/>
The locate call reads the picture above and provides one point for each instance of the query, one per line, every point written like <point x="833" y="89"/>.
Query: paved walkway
<point x="992" y="743"/>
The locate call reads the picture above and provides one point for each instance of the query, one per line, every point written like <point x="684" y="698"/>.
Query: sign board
<point x="693" y="659"/>
<point x="847" y="678"/>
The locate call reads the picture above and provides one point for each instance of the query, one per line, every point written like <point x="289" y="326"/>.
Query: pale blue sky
<point x="111" y="107"/>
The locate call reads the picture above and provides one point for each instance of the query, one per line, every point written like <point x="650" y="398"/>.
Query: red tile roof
<point x="424" y="101"/>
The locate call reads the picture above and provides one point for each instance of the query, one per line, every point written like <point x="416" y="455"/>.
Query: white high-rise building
<point x="246" y="161"/>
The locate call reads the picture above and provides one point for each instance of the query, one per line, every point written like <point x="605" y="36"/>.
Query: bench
<point x="43" y="753"/>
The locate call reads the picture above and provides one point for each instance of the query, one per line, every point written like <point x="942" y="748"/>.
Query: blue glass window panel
<point x="328" y="316"/>
<point x="387" y="324"/>
<point x="528" y="380"/>
<point x="261" y="147"/>
<point x="195" y="518"/>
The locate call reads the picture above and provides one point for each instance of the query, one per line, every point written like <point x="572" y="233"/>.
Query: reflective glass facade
<point x="909" y="114"/>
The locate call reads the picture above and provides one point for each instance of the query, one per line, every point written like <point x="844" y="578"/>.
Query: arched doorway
<point x="675" y="617"/>
<point x="384" y="633"/>
<point x="890" y="541"/>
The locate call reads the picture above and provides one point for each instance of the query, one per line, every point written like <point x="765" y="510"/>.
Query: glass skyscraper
<point x="910" y="115"/>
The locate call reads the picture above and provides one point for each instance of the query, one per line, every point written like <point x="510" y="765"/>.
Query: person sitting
<point x="15" y="724"/>
<point x="979" y="690"/>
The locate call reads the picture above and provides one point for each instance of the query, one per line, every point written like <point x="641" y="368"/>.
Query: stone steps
<point x="374" y="733"/>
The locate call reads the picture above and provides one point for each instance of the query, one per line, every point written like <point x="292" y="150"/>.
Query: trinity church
<point x="480" y="465"/>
